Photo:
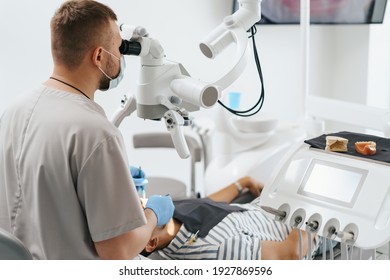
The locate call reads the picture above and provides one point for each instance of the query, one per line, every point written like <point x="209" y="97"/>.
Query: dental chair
<point x="11" y="248"/>
<point x="160" y="185"/>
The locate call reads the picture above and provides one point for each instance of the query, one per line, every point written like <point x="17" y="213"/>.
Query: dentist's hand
<point x="137" y="172"/>
<point x="162" y="206"/>
<point x="138" y="177"/>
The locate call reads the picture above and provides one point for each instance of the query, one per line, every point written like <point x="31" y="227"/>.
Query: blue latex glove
<point x="137" y="172"/>
<point x="162" y="206"/>
<point x="139" y="178"/>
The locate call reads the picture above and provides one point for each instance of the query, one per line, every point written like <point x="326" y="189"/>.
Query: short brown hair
<point x="78" y="26"/>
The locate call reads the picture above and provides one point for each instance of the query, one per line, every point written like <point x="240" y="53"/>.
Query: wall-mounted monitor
<point x="322" y="11"/>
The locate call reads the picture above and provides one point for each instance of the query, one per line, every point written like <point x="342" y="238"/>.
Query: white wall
<point x="25" y="59"/>
<point x="344" y="59"/>
<point x="378" y="86"/>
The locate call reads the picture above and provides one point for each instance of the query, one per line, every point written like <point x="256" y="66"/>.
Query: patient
<point x="211" y="228"/>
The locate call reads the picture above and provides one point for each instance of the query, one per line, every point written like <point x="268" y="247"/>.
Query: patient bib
<point x="202" y="214"/>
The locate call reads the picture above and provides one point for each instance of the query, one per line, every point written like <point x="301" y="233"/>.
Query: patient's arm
<point x="226" y="194"/>
<point x="230" y="192"/>
<point x="287" y="249"/>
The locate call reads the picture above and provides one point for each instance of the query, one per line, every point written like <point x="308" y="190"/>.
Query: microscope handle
<point x="128" y="106"/>
<point x="174" y="123"/>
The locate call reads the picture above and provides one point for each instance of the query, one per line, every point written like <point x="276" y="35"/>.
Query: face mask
<point x="114" y="82"/>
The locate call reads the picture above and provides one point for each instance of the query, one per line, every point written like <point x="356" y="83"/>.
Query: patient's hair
<point x="76" y="28"/>
<point x="145" y="253"/>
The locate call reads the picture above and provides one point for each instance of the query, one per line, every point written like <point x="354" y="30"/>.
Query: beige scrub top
<point x="64" y="176"/>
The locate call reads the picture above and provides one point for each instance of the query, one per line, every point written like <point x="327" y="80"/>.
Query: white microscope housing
<point x="165" y="89"/>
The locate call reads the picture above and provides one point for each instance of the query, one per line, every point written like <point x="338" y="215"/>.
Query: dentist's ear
<point x="152" y="244"/>
<point x="97" y="56"/>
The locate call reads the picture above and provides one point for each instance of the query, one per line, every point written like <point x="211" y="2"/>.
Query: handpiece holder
<point x="166" y="88"/>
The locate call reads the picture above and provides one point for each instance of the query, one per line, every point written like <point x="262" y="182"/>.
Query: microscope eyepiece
<point x="130" y="48"/>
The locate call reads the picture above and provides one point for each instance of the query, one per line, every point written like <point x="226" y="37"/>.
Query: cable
<point x="331" y="250"/>
<point x="300" y="244"/>
<point x="260" y="101"/>
<point x="309" y="257"/>
<point x="351" y="252"/>
<point x="324" y="240"/>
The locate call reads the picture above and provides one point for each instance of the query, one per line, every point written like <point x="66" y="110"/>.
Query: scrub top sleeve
<point x="107" y="193"/>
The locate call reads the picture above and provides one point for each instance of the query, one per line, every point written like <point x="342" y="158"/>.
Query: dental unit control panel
<point x="337" y="196"/>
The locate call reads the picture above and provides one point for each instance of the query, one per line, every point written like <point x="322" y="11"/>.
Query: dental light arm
<point x="233" y="29"/>
<point x="166" y="90"/>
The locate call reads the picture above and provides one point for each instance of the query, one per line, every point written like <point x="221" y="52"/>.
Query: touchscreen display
<point x="332" y="182"/>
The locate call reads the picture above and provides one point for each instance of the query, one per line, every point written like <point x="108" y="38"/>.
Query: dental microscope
<point x="165" y="89"/>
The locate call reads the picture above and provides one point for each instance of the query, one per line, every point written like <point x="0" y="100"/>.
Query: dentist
<point x="67" y="192"/>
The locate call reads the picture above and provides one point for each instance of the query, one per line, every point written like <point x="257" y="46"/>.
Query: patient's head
<point x="162" y="236"/>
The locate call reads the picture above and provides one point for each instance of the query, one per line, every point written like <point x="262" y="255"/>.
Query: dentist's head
<point x="85" y="43"/>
